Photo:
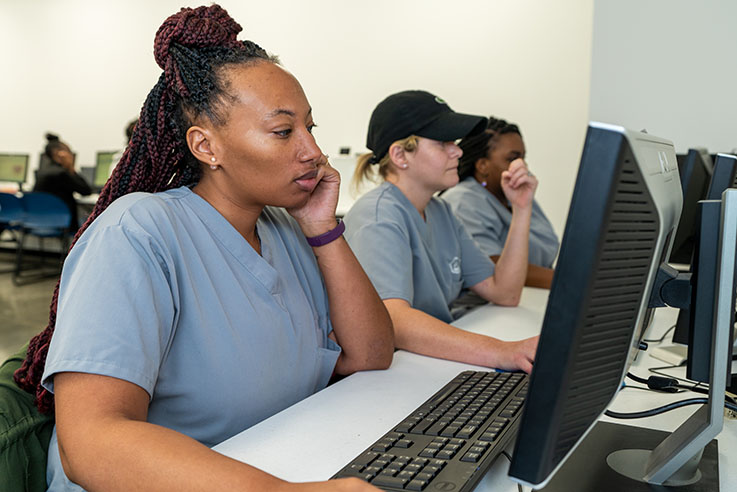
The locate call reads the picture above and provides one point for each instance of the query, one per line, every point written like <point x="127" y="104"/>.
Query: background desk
<point x="315" y="438"/>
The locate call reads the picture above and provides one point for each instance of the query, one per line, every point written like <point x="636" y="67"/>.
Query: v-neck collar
<point x="260" y="266"/>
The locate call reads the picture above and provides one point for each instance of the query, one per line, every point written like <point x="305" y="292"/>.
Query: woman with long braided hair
<point x="211" y="286"/>
<point x="481" y="203"/>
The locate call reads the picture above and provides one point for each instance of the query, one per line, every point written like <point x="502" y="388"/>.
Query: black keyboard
<point x="451" y="440"/>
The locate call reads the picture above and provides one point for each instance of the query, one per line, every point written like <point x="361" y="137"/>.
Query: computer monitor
<point x="13" y="168"/>
<point x="693" y="345"/>
<point x="724" y="175"/>
<point x="103" y="163"/>
<point x="621" y="222"/>
<point x="88" y="173"/>
<point x="695" y="170"/>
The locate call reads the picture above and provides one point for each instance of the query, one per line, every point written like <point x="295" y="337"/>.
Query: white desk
<point x="316" y="437"/>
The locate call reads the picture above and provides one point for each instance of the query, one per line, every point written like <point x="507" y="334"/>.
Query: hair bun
<point x="196" y="28"/>
<point x="52" y="138"/>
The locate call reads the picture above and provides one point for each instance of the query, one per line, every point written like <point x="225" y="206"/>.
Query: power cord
<point x="663" y="409"/>
<point x="506" y="455"/>
<point x="665" y="380"/>
<point x="659" y="340"/>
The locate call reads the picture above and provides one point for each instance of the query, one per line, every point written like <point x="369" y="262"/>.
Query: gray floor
<point x="24" y="310"/>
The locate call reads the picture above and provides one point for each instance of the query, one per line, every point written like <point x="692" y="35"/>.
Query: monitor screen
<point x="102" y="168"/>
<point x="695" y="169"/>
<point x="625" y="207"/>
<point x="13" y="168"/>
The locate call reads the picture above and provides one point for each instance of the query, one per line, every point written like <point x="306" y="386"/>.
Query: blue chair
<point x="45" y="216"/>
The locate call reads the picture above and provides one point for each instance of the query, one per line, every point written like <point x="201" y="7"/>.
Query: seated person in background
<point x="211" y="287"/>
<point x="60" y="178"/>
<point x="119" y="155"/>
<point x="481" y="203"/>
<point x="416" y="252"/>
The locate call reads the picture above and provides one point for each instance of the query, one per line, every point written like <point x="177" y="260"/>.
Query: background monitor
<point x="690" y="324"/>
<point x="724" y="175"/>
<point x="695" y="169"/>
<point x="88" y="173"/>
<point x="625" y="207"/>
<point x="103" y="164"/>
<point x="13" y="168"/>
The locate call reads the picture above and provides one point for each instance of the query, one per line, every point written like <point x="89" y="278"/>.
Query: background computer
<point x="103" y="163"/>
<point x="14" y="169"/>
<point x="695" y="170"/>
<point x="623" y="214"/>
<point x="723" y="177"/>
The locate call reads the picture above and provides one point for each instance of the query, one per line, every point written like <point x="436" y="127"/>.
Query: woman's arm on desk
<point x="421" y="333"/>
<point x="537" y="276"/>
<point x="106" y="444"/>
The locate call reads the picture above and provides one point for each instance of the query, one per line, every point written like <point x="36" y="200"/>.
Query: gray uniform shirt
<point x="425" y="262"/>
<point x="163" y="292"/>
<point x="487" y="220"/>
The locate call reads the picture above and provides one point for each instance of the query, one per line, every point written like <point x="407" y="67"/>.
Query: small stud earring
<point x="483" y="183"/>
<point x="213" y="167"/>
<point x="212" y="159"/>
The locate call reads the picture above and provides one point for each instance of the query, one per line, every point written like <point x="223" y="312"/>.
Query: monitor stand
<point x="589" y="468"/>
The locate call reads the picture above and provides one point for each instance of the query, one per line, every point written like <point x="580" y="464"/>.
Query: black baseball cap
<point x="417" y="113"/>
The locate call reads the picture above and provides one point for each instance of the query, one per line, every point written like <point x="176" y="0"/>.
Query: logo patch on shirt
<point x="455" y="266"/>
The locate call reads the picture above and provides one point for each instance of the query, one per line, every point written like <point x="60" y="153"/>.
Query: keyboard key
<point x="435" y="429"/>
<point x="424" y="476"/>
<point x="471" y="457"/>
<point x="384" y="481"/>
<point x="467" y="431"/>
<point x="445" y="454"/>
<point x="429" y="452"/>
<point x="417" y="484"/>
<point x="488" y="436"/>
<point x="404" y="443"/>
<point x="381" y="447"/>
<point x="407" y="475"/>
<point x="366" y="458"/>
<point x="450" y="431"/>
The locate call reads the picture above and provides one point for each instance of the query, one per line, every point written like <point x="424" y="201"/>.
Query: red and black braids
<point x="192" y="47"/>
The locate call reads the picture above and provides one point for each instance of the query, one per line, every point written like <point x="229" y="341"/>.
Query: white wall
<point x="669" y="66"/>
<point x="82" y="68"/>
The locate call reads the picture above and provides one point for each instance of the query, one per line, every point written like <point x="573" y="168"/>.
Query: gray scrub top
<point x="425" y="262"/>
<point x="163" y="292"/>
<point x="487" y="220"/>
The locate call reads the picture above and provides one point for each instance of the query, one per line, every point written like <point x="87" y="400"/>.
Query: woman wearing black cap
<point x="417" y="254"/>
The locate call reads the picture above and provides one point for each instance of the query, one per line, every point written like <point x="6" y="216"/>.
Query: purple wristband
<point x="327" y="237"/>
